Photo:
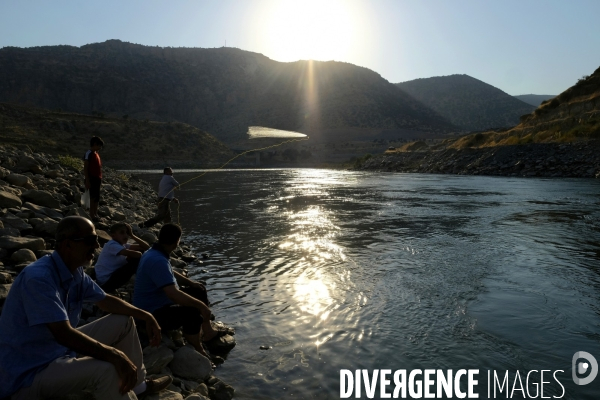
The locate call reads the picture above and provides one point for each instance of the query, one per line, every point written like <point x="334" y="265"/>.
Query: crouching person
<point x="43" y="355"/>
<point x="157" y="290"/>
<point x="119" y="260"/>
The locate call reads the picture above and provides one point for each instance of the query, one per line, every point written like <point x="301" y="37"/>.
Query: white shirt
<point x="109" y="260"/>
<point x="166" y="186"/>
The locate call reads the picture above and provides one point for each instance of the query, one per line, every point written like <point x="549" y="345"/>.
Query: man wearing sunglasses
<point x="44" y="355"/>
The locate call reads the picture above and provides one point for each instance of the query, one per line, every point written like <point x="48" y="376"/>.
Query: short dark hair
<point x="96" y="140"/>
<point x="68" y="227"/>
<point x="169" y="234"/>
<point x="167" y="170"/>
<point x="114" y="228"/>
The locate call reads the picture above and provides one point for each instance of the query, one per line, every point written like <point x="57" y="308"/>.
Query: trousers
<point x="68" y="375"/>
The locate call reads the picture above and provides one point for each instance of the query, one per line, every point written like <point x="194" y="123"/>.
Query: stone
<point x="23" y="255"/>
<point x="4" y="172"/>
<point x="190" y="365"/>
<point x="16" y="243"/>
<point x="191" y="386"/>
<point x="164" y="395"/>
<point x="203" y="389"/>
<point x="19" y="180"/>
<point x="103" y="236"/>
<point x="79" y="211"/>
<point x="156" y="358"/>
<point x="175" y="263"/>
<point x="13" y="221"/>
<point x="223" y="391"/>
<point x="118" y="216"/>
<point x="9" y="232"/>
<point x="41" y="198"/>
<point x="46" y="228"/>
<point x="28" y="163"/>
<point x="52" y="173"/>
<point x="148" y="237"/>
<point x="5" y="278"/>
<point x="9" y="200"/>
<point x="4" y="289"/>
<point x="41" y="253"/>
<point x="197" y="396"/>
<point x="50" y="212"/>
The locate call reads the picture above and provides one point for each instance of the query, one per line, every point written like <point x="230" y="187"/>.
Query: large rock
<point x="221" y="391"/>
<point x="50" y="212"/>
<point x="16" y="243"/>
<point x="23" y="255"/>
<point x="9" y="232"/>
<point x="12" y="221"/>
<point x="79" y="211"/>
<point x="189" y="364"/>
<point x="4" y="289"/>
<point x="46" y="228"/>
<point x="196" y="396"/>
<point x="41" y="198"/>
<point x="156" y="358"/>
<point x="5" y="277"/>
<point x="19" y="180"/>
<point x="4" y="172"/>
<point x="164" y="395"/>
<point x="28" y="163"/>
<point x="9" y="200"/>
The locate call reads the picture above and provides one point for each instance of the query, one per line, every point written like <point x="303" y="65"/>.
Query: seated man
<point x="119" y="260"/>
<point x="157" y="291"/>
<point x="42" y="355"/>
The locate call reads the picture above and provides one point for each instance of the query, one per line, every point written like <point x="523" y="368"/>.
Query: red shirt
<point x="94" y="164"/>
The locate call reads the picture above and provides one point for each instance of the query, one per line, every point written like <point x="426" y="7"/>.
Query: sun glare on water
<point x="310" y="30"/>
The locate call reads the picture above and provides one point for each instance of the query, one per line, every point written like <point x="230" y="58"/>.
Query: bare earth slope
<point x="219" y="90"/>
<point x="467" y="102"/>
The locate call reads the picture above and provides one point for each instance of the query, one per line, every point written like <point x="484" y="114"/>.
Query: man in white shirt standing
<point x="166" y="195"/>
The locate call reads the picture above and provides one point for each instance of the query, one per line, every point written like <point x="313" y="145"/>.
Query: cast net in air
<point x="257" y="132"/>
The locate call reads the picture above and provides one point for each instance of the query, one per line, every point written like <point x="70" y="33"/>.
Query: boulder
<point x="16" y="243"/>
<point x="164" y="395"/>
<point x="41" y="198"/>
<point x="4" y="172"/>
<point x="9" y="232"/>
<point x="80" y="212"/>
<point x="148" y="237"/>
<point x="19" y="180"/>
<point x="52" y="173"/>
<point x="156" y="358"/>
<point x="222" y="391"/>
<point x="196" y="396"/>
<point x="4" y="289"/>
<point x="190" y="365"/>
<point x="23" y="255"/>
<point x="118" y="216"/>
<point x="5" y="278"/>
<point x="9" y="200"/>
<point x="12" y="221"/>
<point x="46" y="228"/>
<point x="175" y="263"/>
<point x="28" y="163"/>
<point x="50" y="212"/>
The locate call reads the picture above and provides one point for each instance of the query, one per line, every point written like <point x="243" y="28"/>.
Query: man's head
<point x="119" y="232"/>
<point x="96" y="143"/>
<point x="168" y="171"/>
<point x="169" y="236"/>
<point x="76" y="241"/>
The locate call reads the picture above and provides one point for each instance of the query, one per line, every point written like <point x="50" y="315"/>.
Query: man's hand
<point x="195" y="284"/>
<point x="126" y="370"/>
<point x="153" y="331"/>
<point x="128" y="230"/>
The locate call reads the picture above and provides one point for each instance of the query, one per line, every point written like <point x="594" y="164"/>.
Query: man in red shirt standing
<point x="92" y="170"/>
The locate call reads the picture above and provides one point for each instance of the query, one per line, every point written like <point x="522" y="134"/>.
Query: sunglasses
<point x="89" y="240"/>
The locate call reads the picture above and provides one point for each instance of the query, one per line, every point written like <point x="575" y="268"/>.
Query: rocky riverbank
<point x="36" y="191"/>
<point x="580" y="159"/>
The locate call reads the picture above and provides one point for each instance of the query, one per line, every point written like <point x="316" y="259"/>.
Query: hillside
<point x="534" y="99"/>
<point x="219" y="90"/>
<point x="129" y="143"/>
<point x="573" y="115"/>
<point x="467" y="102"/>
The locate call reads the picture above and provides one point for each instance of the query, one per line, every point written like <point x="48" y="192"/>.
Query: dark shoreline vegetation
<point x="36" y="191"/>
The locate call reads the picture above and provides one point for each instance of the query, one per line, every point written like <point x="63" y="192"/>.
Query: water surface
<point x="347" y="270"/>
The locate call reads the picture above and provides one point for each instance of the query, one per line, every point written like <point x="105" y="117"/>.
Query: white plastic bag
<point x="85" y="200"/>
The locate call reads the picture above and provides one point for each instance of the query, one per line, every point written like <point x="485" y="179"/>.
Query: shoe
<point x="156" y="385"/>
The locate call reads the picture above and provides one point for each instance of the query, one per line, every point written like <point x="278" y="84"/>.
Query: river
<point x="358" y="270"/>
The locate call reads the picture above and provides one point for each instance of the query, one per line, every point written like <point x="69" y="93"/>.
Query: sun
<point x="310" y="30"/>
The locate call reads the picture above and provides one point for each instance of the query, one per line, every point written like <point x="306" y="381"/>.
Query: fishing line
<point x="255" y="133"/>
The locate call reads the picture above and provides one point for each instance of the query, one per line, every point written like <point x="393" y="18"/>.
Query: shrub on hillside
<point x="70" y="162"/>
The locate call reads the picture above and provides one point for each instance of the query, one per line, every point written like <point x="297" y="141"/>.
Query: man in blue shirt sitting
<point x="157" y="291"/>
<point x="43" y="355"/>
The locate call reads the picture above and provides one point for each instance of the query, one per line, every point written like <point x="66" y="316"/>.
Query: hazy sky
<point x="519" y="46"/>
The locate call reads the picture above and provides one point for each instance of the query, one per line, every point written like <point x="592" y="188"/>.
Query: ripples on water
<point x="338" y="269"/>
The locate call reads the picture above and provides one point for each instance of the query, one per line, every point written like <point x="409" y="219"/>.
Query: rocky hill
<point x="467" y="102"/>
<point x="129" y="143"/>
<point x="534" y="99"/>
<point x="221" y="90"/>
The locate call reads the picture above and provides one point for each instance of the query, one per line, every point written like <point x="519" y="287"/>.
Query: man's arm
<point x="140" y="245"/>
<point x="114" y="305"/>
<point x="130" y="253"/>
<point x="184" y="281"/>
<point x="75" y="340"/>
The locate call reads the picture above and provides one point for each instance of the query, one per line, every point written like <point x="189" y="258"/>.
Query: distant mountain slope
<point x="467" y="102"/>
<point x="534" y="99"/>
<point x="128" y="142"/>
<point x="219" y="90"/>
<point x="573" y="115"/>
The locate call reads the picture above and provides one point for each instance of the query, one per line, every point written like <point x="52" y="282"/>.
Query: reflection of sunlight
<point x="312" y="294"/>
